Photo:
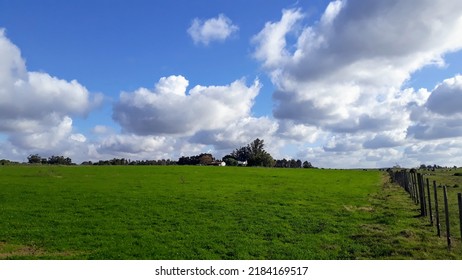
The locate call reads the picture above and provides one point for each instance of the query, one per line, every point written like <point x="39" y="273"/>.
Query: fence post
<point x="409" y="181"/>
<point x="459" y="199"/>
<point x="437" y="212"/>
<point x="446" y="210"/>
<point x="416" y="191"/>
<point x="429" y="202"/>
<point x="406" y="183"/>
<point x="422" y="195"/>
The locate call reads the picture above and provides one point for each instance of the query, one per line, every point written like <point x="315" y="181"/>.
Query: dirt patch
<point x="352" y="208"/>
<point x="13" y="251"/>
<point x="9" y="250"/>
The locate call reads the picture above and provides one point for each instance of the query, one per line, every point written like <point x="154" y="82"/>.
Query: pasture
<point x="194" y="212"/>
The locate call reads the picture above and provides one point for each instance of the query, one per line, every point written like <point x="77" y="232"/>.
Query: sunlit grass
<point x="182" y="212"/>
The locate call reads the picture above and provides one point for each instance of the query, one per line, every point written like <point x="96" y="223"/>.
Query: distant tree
<point x="34" y="159"/>
<point x="307" y="164"/>
<point x="241" y="154"/>
<point x="205" y="159"/>
<point x="8" y="162"/>
<point x="230" y="160"/>
<point x="184" y="160"/>
<point x="59" y="160"/>
<point x="254" y="154"/>
<point x="258" y="155"/>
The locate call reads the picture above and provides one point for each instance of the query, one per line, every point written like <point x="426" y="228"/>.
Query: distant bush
<point x="456" y="186"/>
<point x="458" y="174"/>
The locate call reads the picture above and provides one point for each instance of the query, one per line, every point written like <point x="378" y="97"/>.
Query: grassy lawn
<point x="454" y="186"/>
<point x="184" y="212"/>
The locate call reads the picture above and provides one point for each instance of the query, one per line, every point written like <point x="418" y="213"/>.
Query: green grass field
<point x="184" y="212"/>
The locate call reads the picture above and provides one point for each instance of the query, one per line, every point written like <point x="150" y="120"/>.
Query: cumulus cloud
<point x="272" y="39"/>
<point x="238" y="133"/>
<point x="384" y="140"/>
<point x="441" y="116"/>
<point x="442" y="152"/>
<point x="169" y="109"/>
<point x="344" y="75"/>
<point x="35" y="107"/>
<point x="298" y="132"/>
<point x="345" y="72"/>
<point x="133" y="144"/>
<point x="213" y="29"/>
<point x="203" y="118"/>
<point x="446" y="99"/>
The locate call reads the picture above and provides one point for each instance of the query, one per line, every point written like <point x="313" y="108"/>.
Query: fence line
<point x="420" y="193"/>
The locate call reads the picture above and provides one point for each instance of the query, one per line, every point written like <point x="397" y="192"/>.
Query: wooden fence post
<point x="446" y="210"/>
<point x="423" y="211"/>
<point x="459" y="199"/>
<point x="414" y="184"/>
<point x="411" y="189"/>
<point x="437" y="212"/>
<point x="406" y="182"/>
<point x="429" y="202"/>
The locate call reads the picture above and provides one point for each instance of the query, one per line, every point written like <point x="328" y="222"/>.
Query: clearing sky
<point x="344" y="83"/>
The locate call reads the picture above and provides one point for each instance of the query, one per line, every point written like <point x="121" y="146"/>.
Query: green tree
<point x="241" y="154"/>
<point x="205" y="159"/>
<point x="229" y="160"/>
<point x="307" y="164"/>
<point x="34" y="159"/>
<point x="254" y="153"/>
<point x="258" y="155"/>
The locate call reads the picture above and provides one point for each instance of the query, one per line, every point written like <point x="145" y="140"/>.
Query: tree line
<point x="253" y="154"/>
<point x="55" y="160"/>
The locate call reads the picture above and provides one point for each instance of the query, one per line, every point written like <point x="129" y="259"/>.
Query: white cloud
<point x="203" y="119"/>
<point x="213" y="29"/>
<point x="141" y="147"/>
<point x="33" y="95"/>
<point x="343" y="76"/>
<point x="446" y="99"/>
<point x="132" y="144"/>
<point x="237" y="134"/>
<point x="36" y="108"/>
<point x="272" y="39"/>
<point x="170" y="110"/>
<point x="442" y="152"/>
<point x="102" y="130"/>
<point x="298" y="132"/>
<point x="441" y="116"/>
<point x="343" y="72"/>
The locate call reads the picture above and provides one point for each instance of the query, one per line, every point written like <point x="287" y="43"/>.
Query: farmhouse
<point x="217" y="163"/>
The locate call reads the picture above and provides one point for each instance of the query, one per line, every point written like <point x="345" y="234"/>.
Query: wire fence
<point x="441" y="204"/>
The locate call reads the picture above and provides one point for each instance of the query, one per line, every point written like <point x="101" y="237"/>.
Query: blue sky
<point x="337" y="83"/>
